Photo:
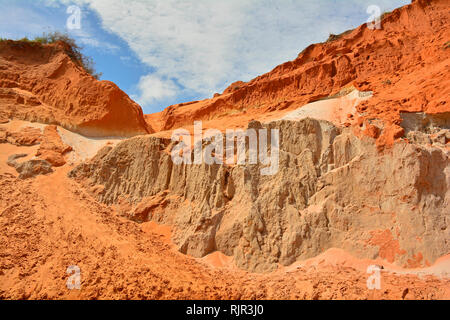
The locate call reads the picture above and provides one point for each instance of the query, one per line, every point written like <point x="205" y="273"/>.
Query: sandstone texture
<point x="49" y="223"/>
<point x="363" y="176"/>
<point x="405" y="64"/>
<point x="30" y="168"/>
<point x="25" y="137"/>
<point x="332" y="189"/>
<point x="52" y="148"/>
<point x="40" y="83"/>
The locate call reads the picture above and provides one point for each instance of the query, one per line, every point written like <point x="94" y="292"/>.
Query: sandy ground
<point x="83" y="147"/>
<point x="8" y="150"/>
<point x="336" y="257"/>
<point x="16" y="125"/>
<point x="336" y="110"/>
<point x="49" y="223"/>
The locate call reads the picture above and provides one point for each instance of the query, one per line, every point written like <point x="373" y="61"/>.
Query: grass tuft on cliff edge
<point x="72" y="49"/>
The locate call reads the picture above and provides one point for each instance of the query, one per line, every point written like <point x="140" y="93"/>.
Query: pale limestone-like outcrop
<point x="427" y="129"/>
<point x="332" y="190"/>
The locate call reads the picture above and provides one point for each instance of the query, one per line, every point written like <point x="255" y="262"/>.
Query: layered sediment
<point x="41" y="83"/>
<point x="332" y="189"/>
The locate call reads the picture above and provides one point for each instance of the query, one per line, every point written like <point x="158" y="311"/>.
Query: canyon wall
<point x="332" y="189"/>
<point x="41" y="83"/>
<point x="405" y="64"/>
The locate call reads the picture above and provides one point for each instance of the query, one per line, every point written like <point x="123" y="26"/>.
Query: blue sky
<point x="163" y="52"/>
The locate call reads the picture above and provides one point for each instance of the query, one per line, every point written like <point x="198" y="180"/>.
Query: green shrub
<point x="334" y="37"/>
<point x="72" y="49"/>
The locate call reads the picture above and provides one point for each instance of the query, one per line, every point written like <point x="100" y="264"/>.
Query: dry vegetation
<point x="73" y="50"/>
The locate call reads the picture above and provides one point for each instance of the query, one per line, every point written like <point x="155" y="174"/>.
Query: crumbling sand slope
<point x="405" y="64"/>
<point x="48" y="224"/>
<point x="41" y="83"/>
<point x="139" y="226"/>
<point x="336" y="110"/>
<point x="332" y="189"/>
<point x="336" y="187"/>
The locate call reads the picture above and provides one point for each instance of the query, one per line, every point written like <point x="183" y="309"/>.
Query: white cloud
<point x="86" y="38"/>
<point x="153" y="88"/>
<point x="206" y="44"/>
<point x="18" y="21"/>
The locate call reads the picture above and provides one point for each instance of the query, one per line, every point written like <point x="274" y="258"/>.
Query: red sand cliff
<point x="406" y="64"/>
<point x="41" y="83"/>
<point x="49" y="221"/>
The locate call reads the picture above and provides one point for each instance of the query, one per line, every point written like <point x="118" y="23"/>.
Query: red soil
<point x="41" y="83"/>
<point x="406" y="64"/>
<point x="389" y="247"/>
<point x="49" y="223"/>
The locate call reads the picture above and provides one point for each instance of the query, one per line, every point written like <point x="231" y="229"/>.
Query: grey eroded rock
<point x="332" y="190"/>
<point x="12" y="159"/>
<point x="30" y="168"/>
